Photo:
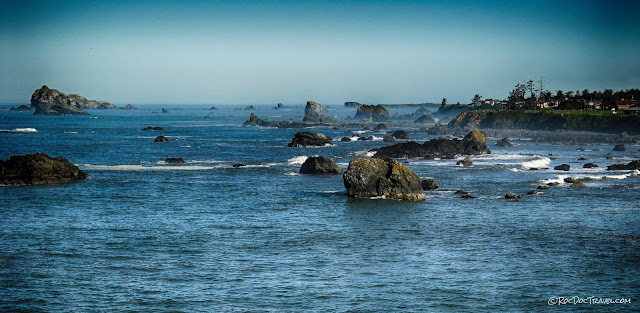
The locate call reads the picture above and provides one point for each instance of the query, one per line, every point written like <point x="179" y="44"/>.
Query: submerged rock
<point x="562" y="167"/>
<point x="465" y="162"/>
<point x="320" y="165"/>
<point x="38" y="169"/>
<point x="543" y="187"/>
<point x="400" y="134"/>
<point x="578" y="184"/>
<point x="512" y="196"/>
<point x="174" y="161"/>
<point x="389" y="139"/>
<point x="346" y="139"/>
<point x="633" y="165"/>
<point x="504" y="142"/>
<point x="154" y="128"/>
<point x="380" y="127"/>
<point x="161" y="139"/>
<point x="309" y="139"/>
<point x="368" y="177"/>
<point x="620" y="147"/>
<point x="474" y="143"/>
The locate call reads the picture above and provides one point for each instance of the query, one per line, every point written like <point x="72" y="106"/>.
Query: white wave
<point x="560" y="178"/>
<point x="261" y="165"/>
<point x="291" y="173"/>
<point x="19" y="130"/>
<point x="503" y="157"/>
<point x="364" y="153"/>
<point x="360" y="132"/>
<point x="205" y="161"/>
<point x="70" y="132"/>
<point x="376" y="138"/>
<point x="297" y="160"/>
<point x="539" y="162"/>
<point x="126" y="167"/>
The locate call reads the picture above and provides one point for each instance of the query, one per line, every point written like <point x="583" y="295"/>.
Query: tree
<point x="517" y="95"/>
<point x="477" y="99"/>
<point x="444" y="102"/>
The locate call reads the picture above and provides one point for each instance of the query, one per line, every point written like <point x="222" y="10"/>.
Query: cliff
<point x="48" y="101"/>
<point x="547" y="120"/>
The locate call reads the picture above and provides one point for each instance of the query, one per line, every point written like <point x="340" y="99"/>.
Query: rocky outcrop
<point x="38" y="169"/>
<point x="161" y="139"/>
<point x="164" y="110"/>
<point x="368" y="177"/>
<point x="250" y="107"/>
<point x="465" y="162"/>
<point x="351" y="104"/>
<point x="578" y="184"/>
<point x="309" y="139"/>
<point x="504" y="142"/>
<point x="429" y="184"/>
<point x="254" y="120"/>
<point x="590" y="165"/>
<point x="377" y="113"/>
<point x="633" y="165"/>
<point x="562" y="167"/>
<point x="279" y="106"/>
<point x="21" y="108"/>
<point x="380" y="127"/>
<point x="314" y="113"/>
<point x="389" y="139"/>
<point x="400" y="134"/>
<point x="425" y="118"/>
<point x="620" y="147"/>
<point x="320" y="165"/>
<point x="174" y="161"/>
<point x="130" y="107"/>
<point x="48" y="101"/>
<point x="474" y="143"/>
<point x="153" y="128"/>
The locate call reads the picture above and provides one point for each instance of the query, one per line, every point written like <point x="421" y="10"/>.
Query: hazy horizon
<point x="243" y="52"/>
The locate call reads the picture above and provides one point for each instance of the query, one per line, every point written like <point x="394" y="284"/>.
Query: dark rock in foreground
<point x="320" y="165"/>
<point x="48" y="101"/>
<point x="368" y="177"/>
<point x="161" y="139"/>
<point x="504" y="142"/>
<point x="21" y="108"/>
<point x="562" y="167"/>
<point x="154" y="128"/>
<point x="633" y="165"/>
<point x="620" y="147"/>
<point x="429" y="184"/>
<point x="175" y="161"/>
<point x="38" y="169"/>
<point x="309" y="139"/>
<point x="474" y="143"/>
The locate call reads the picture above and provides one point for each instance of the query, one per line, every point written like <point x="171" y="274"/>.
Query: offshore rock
<point x="368" y="177"/>
<point x="504" y="142"/>
<point x="620" y="147"/>
<point x="633" y="165"/>
<point x="377" y="113"/>
<point x="429" y="184"/>
<point x="389" y="139"/>
<point x="474" y="143"/>
<point x="21" y="108"/>
<point x="590" y="165"/>
<point x="48" y="101"/>
<point x="425" y="118"/>
<point x="154" y="128"/>
<point x="351" y="104"/>
<point x="465" y="162"/>
<point x="254" y="120"/>
<point x="161" y="139"/>
<point x="38" y="169"/>
<point x="400" y="134"/>
<point x="562" y="167"/>
<point x="320" y="165"/>
<point x="175" y="161"/>
<point x="314" y="113"/>
<point x="309" y="139"/>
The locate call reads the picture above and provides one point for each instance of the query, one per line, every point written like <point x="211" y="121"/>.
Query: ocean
<point x="140" y="235"/>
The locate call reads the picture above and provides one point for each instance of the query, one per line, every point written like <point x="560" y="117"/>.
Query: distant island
<point x="48" y="101"/>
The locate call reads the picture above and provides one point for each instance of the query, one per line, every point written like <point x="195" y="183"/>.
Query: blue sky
<point x="265" y="52"/>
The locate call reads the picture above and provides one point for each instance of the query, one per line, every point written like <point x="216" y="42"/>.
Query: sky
<point x="265" y="52"/>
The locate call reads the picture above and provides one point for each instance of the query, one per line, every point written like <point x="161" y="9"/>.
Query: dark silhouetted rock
<point x="400" y="134"/>
<point x="633" y="165"/>
<point x="38" y="169"/>
<point x="467" y="196"/>
<point x="466" y="162"/>
<point x="161" y="139"/>
<point x="562" y="167"/>
<point x="320" y="165"/>
<point x="129" y="107"/>
<point x="429" y="184"/>
<point x="236" y="165"/>
<point x="254" y="120"/>
<point x="279" y="106"/>
<point x="250" y="107"/>
<point x="21" y="108"/>
<point x="532" y="193"/>
<point x="48" y="101"/>
<point x="380" y="127"/>
<point x="425" y="118"/>
<point x="174" y="161"/>
<point x="511" y="196"/>
<point x="314" y="113"/>
<point x="351" y="104"/>
<point x="504" y="142"/>
<point x="570" y="180"/>
<point x="389" y="139"/>
<point x="461" y="192"/>
<point x="377" y="113"/>
<point x="365" y="138"/>
<point x="345" y="139"/>
<point x="154" y="128"/>
<point x="620" y="147"/>
<point x="543" y="187"/>
<point x="164" y="110"/>
<point x="578" y="184"/>
<point x="368" y="177"/>
<point x="474" y="143"/>
<point x="309" y="139"/>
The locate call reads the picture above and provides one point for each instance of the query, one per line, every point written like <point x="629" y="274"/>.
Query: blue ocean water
<point x="140" y="235"/>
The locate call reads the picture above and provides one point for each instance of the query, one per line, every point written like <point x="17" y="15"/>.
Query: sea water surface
<point x="140" y="235"/>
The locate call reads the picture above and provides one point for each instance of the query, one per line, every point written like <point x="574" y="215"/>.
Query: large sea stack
<point x="368" y="177"/>
<point x="377" y="113"/>
<point x="474" y="143"/>
<point x="314" y="113"/>
<point x="38" y="169"/>
<point x="48" y="101"/>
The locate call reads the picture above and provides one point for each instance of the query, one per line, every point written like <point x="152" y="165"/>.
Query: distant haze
<point x="237" y="52"/>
